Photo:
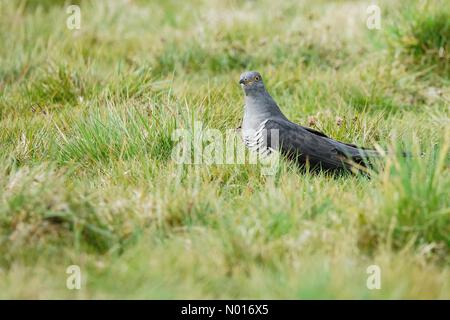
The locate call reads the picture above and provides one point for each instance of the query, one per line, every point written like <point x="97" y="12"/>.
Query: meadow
<point x="86" y="170"/>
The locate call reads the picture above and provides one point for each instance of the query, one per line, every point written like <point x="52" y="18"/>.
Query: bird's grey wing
<point x="301" y="145"/>
<point x="321" y="134"/>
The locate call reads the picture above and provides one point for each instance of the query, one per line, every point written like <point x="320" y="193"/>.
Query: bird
<point x="265" y="129"/>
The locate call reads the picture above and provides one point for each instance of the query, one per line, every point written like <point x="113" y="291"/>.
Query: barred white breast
<point x="256" y="140"/>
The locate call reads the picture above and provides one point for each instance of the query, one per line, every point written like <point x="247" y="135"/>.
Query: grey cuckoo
<point x="263" y="121"/>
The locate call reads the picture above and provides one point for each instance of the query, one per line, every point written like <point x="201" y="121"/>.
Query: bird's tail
<point x="369" y="154"/>
<point x="368" y="157"/>
<point x="365" y="157"/>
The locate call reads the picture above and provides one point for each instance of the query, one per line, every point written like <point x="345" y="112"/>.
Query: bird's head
<point x="251" y="81"/>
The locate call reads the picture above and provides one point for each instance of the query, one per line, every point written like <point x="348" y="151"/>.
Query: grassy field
<point x="86" y="170"/>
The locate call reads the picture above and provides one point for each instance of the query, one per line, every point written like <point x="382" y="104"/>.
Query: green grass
<point x="422" y="36"/>
<point x="87" y="178"/>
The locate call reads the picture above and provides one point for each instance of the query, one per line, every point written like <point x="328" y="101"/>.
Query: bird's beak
<point x="242" y="81"/>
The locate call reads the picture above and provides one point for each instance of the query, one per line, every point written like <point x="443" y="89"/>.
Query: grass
<point x="87" y="178"/>
<point x="422" y="37"/>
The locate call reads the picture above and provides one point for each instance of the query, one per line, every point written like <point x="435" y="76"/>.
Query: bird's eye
<point x="257" y="78"/>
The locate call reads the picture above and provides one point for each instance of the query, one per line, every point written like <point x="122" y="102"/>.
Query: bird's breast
<point x="255" y="138"/>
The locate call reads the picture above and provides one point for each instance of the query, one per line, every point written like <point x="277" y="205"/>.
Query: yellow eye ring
<point x="257" y="78"/>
